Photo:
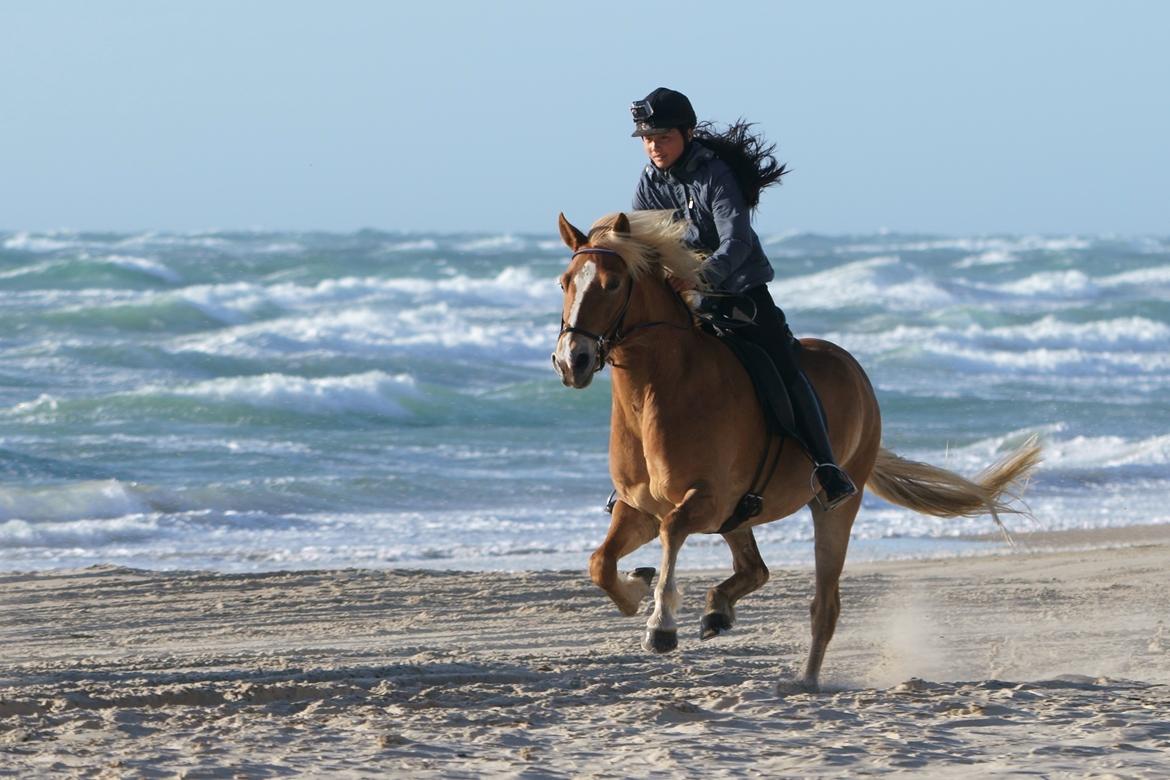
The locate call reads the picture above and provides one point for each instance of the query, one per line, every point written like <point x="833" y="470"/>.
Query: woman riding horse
<point x="687" y="435"/>
<point x="713" y="182"/>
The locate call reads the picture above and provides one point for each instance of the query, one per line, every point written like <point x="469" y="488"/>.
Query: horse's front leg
<point x="695" y="514"/>
<point x="629" y="529"/>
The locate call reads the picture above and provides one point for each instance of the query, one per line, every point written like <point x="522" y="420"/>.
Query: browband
<point x="596" y="250"/>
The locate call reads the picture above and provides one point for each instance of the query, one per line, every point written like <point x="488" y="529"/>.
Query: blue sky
<point x="946" y="117"/>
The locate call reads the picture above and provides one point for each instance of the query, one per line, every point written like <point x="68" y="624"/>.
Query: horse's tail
<point x="935" y="491"/>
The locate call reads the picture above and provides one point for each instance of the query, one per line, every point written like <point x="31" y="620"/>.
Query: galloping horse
<point x="687" y="433"/>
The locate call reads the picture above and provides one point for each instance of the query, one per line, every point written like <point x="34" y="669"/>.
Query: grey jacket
<point x="702" y="189"/>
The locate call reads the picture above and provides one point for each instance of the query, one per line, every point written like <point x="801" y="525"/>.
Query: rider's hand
<point x="680" y="285"/>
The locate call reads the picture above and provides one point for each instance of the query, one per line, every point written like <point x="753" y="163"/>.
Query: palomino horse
<point x="687" y="434"/>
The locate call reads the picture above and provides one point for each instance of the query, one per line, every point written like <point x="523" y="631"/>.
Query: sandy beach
<point x="1038" y="662"/>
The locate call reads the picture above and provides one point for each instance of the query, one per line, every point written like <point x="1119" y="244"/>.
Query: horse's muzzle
<point x="575" y="360"/>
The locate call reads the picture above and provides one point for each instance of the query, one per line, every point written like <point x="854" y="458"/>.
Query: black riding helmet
<point x="661" y="110"/>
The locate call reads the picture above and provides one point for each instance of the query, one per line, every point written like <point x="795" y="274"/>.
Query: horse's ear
<point x="574" y="239"/>
<point x="621" y="224"/>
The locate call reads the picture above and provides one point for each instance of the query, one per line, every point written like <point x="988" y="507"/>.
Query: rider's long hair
<point x="749" y="156"/>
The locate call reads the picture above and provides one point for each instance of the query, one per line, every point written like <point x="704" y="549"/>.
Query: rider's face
<point x="664" y="149"/>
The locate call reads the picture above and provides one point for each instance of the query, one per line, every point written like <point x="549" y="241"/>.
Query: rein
<point x="614" y="334"/>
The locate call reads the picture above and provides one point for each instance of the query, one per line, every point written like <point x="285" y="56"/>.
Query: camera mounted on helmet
<point x="660" y="111"/>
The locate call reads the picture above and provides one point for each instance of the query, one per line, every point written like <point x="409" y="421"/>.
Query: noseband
<point x="612" y="335"/>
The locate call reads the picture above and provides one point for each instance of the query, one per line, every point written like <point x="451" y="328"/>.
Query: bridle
<point x="613" y="335"/>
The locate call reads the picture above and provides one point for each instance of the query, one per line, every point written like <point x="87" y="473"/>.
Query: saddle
<point x="722" y="321"/>
<point x="722" y="318"/>
<point x="770" y="388"/>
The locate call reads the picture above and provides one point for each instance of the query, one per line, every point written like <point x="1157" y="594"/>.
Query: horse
<point x="687" y="433"/>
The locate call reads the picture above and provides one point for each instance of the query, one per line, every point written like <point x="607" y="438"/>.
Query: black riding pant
<point x="771" y="332"/>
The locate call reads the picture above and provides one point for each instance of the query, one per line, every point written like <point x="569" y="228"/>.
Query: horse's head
<point x="598" y="285"/>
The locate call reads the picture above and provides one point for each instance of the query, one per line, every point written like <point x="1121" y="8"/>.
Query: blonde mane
<point x="654" y="244"/>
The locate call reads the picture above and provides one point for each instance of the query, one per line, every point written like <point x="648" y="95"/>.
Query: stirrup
<point x="846" y="487"/>
<point x="611" y="502"/>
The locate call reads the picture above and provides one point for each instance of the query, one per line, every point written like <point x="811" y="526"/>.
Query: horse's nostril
<point x="580" y="362"/>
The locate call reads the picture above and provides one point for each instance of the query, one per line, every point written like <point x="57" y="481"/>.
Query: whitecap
<point x="80" y="500"/>
<point x="33" y="269"/>
<point x="991" y="257"/>
<point x="1131" y="331"/>
<point x="366" y="330"/>
<point x="973" y="246"/>
<point x="79" y="536"/>
<point x="43" y="402"/>
<point x="781" y="237"/>
<point x="885" y="281"/>
<point x="492" y="244"/>
<point x="281" y="248"/>
<point x="1055" y="244"/>
<point x="1141" y="277"/>
<point x="1050" y="283"/>
<point x="373" y="392"/>
<point x="1045" y="360"/>
<point x="143" y="265"/>
<point x="512" y="284"/>
<point x="1106" y="452"/>
<point x="194" y="240"/>
<point x="227" y="303"/>
<point x="27" y="242"/>
<point x="130" y="263"/>
<point x="421" y="245"/>
<point x="1125" y="340"/>
<point x="884" y="340"/>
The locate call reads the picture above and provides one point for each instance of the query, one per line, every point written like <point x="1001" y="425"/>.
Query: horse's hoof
<point x="714" y="624"/>
<point x="803" y="685"/>
<point x="645" y="572"/>
<point x="660" y="640"/>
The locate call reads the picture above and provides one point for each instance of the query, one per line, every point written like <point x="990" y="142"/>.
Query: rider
<point x="713" y="181"/>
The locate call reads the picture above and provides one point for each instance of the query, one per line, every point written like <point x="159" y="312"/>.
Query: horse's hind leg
<point x="750" y="575"/>
<point x="629" y="529"/>
<point x="831" y="530"/>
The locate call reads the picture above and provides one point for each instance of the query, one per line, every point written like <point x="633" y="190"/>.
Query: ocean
<point x="245" y="401"/>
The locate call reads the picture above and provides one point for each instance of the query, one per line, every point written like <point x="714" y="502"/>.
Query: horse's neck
<point x="653" y="301"/>
<point x="653" y="356"/>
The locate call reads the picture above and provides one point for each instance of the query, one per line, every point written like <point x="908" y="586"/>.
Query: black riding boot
<point x="836" y="483"/>
<point x="772" y="333"/>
